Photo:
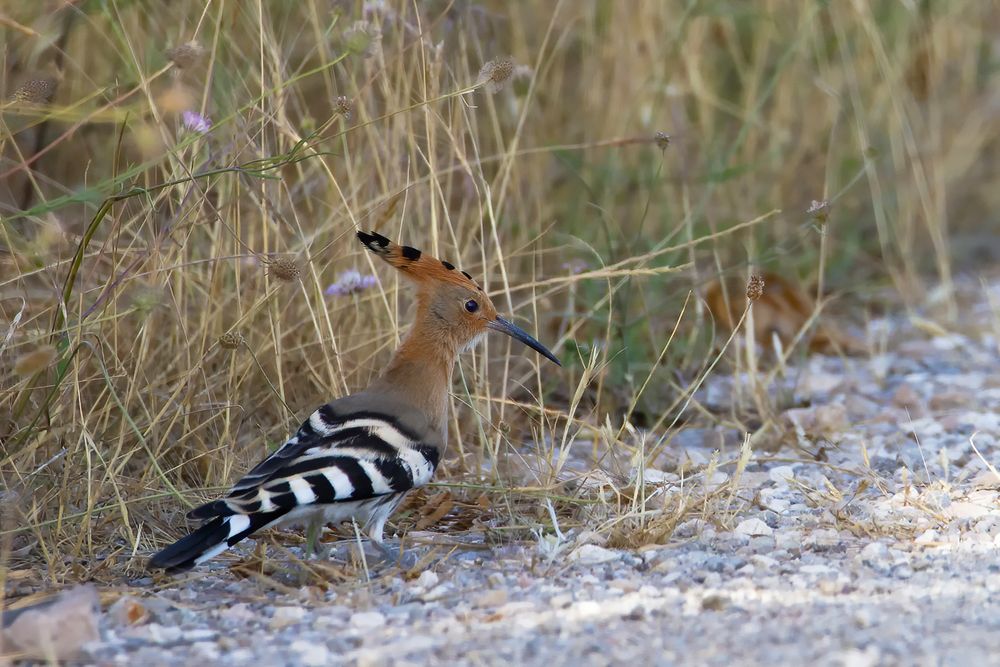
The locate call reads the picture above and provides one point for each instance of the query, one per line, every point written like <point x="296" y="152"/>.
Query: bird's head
<point x="451" y="303"/>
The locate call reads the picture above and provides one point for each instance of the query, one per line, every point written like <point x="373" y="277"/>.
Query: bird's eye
<point x="471" y="306"/>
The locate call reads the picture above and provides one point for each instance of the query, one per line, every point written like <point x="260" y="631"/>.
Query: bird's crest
<point x="418" y="266"/>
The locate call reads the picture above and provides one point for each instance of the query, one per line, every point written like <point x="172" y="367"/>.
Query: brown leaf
<point x="444" y="504"/>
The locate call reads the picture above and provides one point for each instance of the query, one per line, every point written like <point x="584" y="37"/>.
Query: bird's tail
<point x="210" y="540"/>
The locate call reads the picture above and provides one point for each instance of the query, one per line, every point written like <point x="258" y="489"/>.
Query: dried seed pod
<point x="820" y="210"/>
<point x="755" y="287"/>
<point x="343" y="106"/>
<point x="186" y="55"/>
<point x="36" y="91"/>
<point x="496" y="73"/>
<point x="284" y="268"/>
<point x="231" y="340"/>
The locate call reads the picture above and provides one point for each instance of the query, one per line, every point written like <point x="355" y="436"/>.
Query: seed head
<point x="363" y="39"/>
<point x="820" y="210"/>
<point x="38" y="359"/>
<point x="186" y="55"/>
<point x="755" y="287"/>
<point x="496" y="73"/>
<point x="283" y="268"/>
<point x="343" y="106"/>
<point x="36" y="91"/>
<point x="231" y="340"/>
<point x="662" y="140"/>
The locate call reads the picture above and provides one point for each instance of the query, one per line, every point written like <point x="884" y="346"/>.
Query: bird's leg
<point x="389" y="554"/>
<point x="313" y="532"/>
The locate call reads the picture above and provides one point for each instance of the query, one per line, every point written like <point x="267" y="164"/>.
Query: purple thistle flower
<point x="350" y="282"/>
<point x="195" y="122"/>
<point x="575" y="266"/>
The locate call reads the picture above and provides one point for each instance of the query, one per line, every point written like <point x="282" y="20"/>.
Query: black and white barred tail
<point x="355" y="464"/>
<point x="209" y="541"/>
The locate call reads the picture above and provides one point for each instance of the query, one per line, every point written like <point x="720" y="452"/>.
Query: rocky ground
<point x="880" y="549"/>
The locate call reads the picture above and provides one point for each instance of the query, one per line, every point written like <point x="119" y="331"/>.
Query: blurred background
<point x="180" y="184"/>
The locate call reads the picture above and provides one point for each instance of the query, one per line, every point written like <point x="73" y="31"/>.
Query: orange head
<point x="449" y="301"/>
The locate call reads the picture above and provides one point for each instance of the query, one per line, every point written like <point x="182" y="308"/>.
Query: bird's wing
<point x="336" y="455"/>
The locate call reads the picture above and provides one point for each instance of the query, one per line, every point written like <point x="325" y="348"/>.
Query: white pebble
<point x="753" y="527"/>
<point x="366" y="620"/>
<point x="285" y="616"/>
<point x="591" y="554"/>
<point x="311" y="654"/>
<point x="426" y="580"/>
<point x="781" y="474"/>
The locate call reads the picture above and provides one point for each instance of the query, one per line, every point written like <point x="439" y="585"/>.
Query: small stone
<point x="198" y="635"/>
<point x="788" y="540"/>
<point x="965" y="510"/>
<point x="591" y="554"/>
<point x="762" y="544"/>
<point x="763" y="562"/>
<point x="906" y="396"/>
<point x="714" y="602"/>
<point x="311" y="654"/>
<point x="817" y="383"/>
<point x="870" y="657"/>
<point x="874" y="553"/>
<point x="367" y="620"/>
<point x="207" y="650"/>
<point x="239" y="612"/>
<point x="753" y="527"/>
<point x="819" y="421"/>
<point x="654" y="477"/>
<point x="690" y="528"/>
<point x="156" y="633"/>
<point x="951" y="400"/>
<point x="781" y="475"/>
<point x="426" y="580"/>
<point x="492" y="598"/>
<point x="561" y="600"/>
<point x="56" y="630"/>
<point x="285" y="616"/>
<point x="864" y="618"/>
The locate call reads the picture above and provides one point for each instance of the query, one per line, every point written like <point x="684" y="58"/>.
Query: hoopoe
<point x="356" y="457"/>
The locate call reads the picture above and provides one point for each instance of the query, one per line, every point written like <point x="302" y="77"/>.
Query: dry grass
<point x="164" y="321"/>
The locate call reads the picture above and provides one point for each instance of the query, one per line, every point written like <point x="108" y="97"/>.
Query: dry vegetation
<point x="164" y="319"/>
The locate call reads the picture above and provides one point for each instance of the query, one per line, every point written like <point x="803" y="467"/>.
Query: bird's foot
<point x="390" y="554"/>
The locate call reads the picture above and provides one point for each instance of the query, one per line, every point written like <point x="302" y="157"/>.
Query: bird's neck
<point x="420" y="372"/>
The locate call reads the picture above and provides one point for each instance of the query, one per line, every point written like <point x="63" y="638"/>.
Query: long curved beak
<point x="517" y="333"/>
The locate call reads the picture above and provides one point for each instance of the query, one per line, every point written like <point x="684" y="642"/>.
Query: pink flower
<point x="195" y="122"/>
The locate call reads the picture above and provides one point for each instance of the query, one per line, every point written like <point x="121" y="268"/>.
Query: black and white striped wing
<point x="332" y="458"/>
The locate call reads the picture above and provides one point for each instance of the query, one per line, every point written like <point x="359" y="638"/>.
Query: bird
<point x="356" y="457"/>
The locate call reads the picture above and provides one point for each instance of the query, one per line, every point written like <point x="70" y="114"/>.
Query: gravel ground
<point x="883" y="554"/>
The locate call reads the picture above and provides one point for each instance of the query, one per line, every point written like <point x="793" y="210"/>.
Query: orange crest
<point x="418" y="266"/>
